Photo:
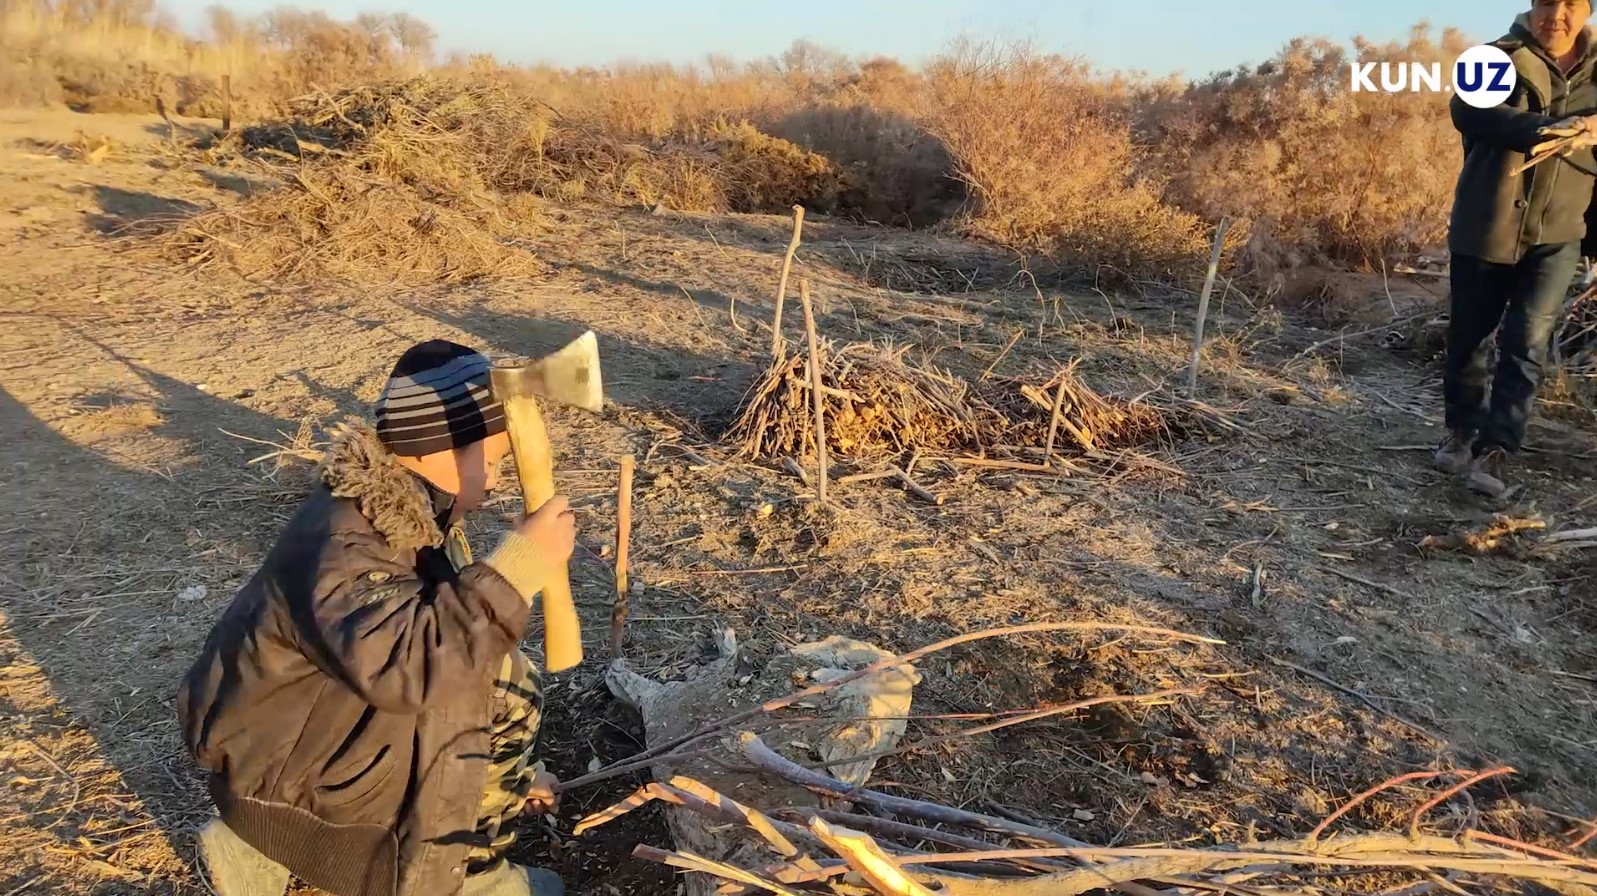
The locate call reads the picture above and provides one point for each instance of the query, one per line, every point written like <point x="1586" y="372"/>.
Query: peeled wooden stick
<point x="692" y="862"/>
<point x="1053" y="422"/>
<point x="1545" y="150"/>
<point x="867" y="859"/>
<point x="815" y="383"/>
<point x="618" y="615"/>
<point x="767" y="759"/>
<point x="1203" y="305"/>
<point x="781" y="285"/>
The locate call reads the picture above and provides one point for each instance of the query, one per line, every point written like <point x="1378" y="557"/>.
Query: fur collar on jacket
<point x="396" y="503"/>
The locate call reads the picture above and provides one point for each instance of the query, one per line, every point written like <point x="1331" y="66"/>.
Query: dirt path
<point x="136" y="396"/>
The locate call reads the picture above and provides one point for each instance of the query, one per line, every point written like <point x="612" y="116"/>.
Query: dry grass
<point x="1323" y="174"/>
<point x="1039" y="154"/>
<point x="1051" y="164"/>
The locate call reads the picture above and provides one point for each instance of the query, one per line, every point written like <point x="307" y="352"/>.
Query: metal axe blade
<point x="569" y="376"/>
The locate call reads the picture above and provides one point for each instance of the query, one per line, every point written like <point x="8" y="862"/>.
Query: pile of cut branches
<point x="332" y="221"/>
<point x="879" y="403"/>
<point x="1087" y="420"/>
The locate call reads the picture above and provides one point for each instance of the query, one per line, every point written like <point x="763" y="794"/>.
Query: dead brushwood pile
<point x="878" y="403"/>
<point x="332" y="222"/>
<point x="434" y="179"/>
<point x="383" y="184"/>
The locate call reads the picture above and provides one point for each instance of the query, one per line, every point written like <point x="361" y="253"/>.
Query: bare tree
<point x="415" y="37"/>
<point x="223" y="23"/>
<point x="374" y="25"/>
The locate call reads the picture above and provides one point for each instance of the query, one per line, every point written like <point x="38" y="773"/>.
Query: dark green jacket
<point x="1498" y="215"/>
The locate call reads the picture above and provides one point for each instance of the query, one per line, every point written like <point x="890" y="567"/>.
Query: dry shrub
<point x="448" y="136"/>
<point x="900" y="174"/>
<point x="761" y="173"/>
<point x="390" y="182"/>
<point x="1051" y="166"/>
<point x="331" y="222"/>
<point x="119" y="55"/>
<point x="879" y="404"/>
<point x="27" y="83"/>
<point x="1323" y="173"/>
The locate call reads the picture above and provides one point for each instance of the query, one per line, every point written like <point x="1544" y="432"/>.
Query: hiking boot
<point x="1488" y="474"/>
<point x="505" y="879"/>
<point x="1453" y="455"/>
<point x="237" y="868"/>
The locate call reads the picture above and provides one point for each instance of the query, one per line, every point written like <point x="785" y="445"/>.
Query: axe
<point x="570" y="376"/>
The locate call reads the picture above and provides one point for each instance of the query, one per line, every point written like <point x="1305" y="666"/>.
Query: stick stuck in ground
<point x="1203" y="305"/>
<point x="815" y="388"/>
<point x="618" y="616"/>
<point x="781" y="285"/>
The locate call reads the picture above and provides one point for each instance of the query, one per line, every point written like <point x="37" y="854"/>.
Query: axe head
<point x="570" y="376"/>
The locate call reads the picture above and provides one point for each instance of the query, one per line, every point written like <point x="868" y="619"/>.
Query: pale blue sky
<point x="1193" y="37"/>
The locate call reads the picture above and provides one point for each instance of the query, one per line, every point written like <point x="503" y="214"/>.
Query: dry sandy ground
<point x="134" y="397"/>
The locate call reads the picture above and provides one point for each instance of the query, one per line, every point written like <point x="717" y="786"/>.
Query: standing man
<point x="362" y="707"/>
<point x="1515" y="239"/>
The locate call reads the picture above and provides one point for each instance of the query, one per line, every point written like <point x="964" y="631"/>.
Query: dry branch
<point x="618" y="614"/>
<point x="1203" y="306"/>
<point x="818" y="397"/>
<point x="777" y="343"/>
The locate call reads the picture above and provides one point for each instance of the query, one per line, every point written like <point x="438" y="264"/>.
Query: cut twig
<point x="1414" y="820"/>
<point x="1547" y="149"/>
<point x="1359" y="580"/>
<point x="768" y="760"/>
<point x="756" y="820"/>
<point x="1203" y="305"/>
<point x="1043" y="712"/>
<point x="867" y="859"/>
<point x="1353" y="803"/>
<point x="618" y="614"/>
<point x="867" y="477"/>
<point x="1002" y="354"/>
<point x="794" y="467"/>
<point x="1362" y="697"/>
<point x="815" y="391"/>
<point x="691" y="862"/>
<point x="777" y="343"/>
<point x="910" y="833"/>
<point x="1053" y="419"/>
<point x="915" y="488"/>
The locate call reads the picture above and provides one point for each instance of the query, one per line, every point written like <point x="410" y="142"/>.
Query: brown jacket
<point x="342" y="701"/>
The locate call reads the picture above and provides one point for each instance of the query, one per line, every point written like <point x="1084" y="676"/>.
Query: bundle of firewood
<point x="879" y="403"/>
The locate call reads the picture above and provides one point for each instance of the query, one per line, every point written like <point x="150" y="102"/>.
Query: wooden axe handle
<point x="529" y="441"/>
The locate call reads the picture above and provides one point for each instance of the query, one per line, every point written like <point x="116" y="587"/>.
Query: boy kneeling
<point x="362" y="707"/>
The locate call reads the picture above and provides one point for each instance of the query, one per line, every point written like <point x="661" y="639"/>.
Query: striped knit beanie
<point x="437" y="399"/>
